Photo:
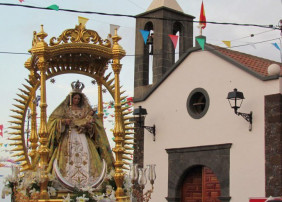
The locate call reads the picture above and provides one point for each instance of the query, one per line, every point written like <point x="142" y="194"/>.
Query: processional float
<point x="79" y="51"/>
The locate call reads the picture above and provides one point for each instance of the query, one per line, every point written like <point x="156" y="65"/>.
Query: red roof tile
<point x="254" y="63"/>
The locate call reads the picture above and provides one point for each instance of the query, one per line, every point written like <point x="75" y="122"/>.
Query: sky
<point x="18" y="23"/>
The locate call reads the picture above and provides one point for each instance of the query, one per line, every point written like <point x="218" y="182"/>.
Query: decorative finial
<point x="77" y="86"/>
<point x="42" y="34"/>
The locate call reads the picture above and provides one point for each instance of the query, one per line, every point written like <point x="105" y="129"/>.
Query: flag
<point x="145" y="35"/>
<point x="54" y="7"/>
<point x="276" y="45"/>
<point x="227" y="43"/>
<point x="21" y="1"/>
<point x="202" y="17"/>
<point x="174" y="39"/>
<point x="82" y="20"/>
<point x="129" y="99"/>
<point x="201" y="42"/>
<point x="1" y="130"/>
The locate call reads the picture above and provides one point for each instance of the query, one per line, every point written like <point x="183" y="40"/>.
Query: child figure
<point x="89" y="119"/>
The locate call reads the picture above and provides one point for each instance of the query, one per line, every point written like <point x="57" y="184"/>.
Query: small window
<point x="198" y="103"/>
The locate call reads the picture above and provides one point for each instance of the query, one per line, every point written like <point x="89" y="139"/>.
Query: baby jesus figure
<point x="81" y="124"/>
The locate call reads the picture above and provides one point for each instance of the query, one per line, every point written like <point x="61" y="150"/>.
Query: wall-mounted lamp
<point x="235" y="99"/>
<point x="141" y="113"/>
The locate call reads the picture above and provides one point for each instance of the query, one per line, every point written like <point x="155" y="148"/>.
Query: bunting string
<point x="145" y="17"/>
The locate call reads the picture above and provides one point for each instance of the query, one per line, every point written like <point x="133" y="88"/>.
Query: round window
<point x="198" y="103"/>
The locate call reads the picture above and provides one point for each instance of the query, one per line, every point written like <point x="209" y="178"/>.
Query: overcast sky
<point x="17" y="26"/>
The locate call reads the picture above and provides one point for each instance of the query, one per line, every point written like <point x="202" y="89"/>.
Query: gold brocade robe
<point x="79" y="150"/>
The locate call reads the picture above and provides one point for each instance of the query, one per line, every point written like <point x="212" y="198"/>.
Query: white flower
<point x="10" y="178"/>
<point x="112" y="196"/>
<point x="99" y="197"/>
<point x="51" y="177"/>
<point x="51" y="191"/>
<point x="82" y="198"/>
<point x="89" y="189"/>
<point x="111" y="175"/>
<point x="67" y="199"/>
<point x="6" y="191"/>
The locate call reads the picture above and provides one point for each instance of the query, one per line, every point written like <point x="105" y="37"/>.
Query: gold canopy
<point x="79" y="51"/>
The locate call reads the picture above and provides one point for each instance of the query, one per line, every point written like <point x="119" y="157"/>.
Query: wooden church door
<point x="200" y="185"/>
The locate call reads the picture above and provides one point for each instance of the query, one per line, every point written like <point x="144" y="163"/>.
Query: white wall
<point x="175" y="128"/>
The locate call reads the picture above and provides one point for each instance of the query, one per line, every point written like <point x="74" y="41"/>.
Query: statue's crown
<point x="77" y="86"/>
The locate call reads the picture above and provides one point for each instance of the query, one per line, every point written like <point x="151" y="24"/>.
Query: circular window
<point x="198" y="103"/>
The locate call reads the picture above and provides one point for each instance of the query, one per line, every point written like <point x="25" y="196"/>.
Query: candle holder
<point x="139" y="181"/>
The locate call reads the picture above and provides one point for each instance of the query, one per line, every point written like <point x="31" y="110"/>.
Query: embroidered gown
<point x="79" y="150"/>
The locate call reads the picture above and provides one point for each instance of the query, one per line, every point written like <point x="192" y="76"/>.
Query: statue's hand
<point x="67" y="121"/>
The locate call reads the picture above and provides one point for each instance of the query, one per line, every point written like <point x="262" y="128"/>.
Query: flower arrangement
<point x="26" y="186"/>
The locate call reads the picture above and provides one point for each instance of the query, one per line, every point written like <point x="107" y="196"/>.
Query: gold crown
<point x="77" y="86"/>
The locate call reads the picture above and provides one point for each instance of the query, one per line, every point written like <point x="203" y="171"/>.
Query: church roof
<point x="165" y="3"/>
<point x="254" y="63"/>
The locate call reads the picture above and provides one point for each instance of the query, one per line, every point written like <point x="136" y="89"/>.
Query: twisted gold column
<point x="33" y="135"/>
<point x="118" y="53"/>
<point x="40" y="50"/>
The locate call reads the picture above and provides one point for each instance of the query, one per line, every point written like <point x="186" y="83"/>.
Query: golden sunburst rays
<point x="17" y="127"/>
<point x="23" y="102"/>
<point x="128" y="143"/>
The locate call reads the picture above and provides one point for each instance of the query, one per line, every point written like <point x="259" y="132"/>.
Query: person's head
<point x="76" y="99"/>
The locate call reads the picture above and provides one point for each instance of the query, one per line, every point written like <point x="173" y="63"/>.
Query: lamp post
<point x="235" y="99"/>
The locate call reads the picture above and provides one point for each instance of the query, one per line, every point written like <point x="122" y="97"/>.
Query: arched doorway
<point x="200" y="185"/>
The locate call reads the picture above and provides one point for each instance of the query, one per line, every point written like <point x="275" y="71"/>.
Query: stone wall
<point x="273" y="145"/>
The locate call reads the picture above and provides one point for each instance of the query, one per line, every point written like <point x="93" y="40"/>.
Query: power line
<point x="132" y="16"/>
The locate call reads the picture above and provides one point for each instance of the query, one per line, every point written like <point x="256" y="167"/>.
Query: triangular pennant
<point x="145" y="35"/>
<point x="201" y="42"/>
<point x="1" y="130"/>
<point x="54" y="7"/>
<point x="174" y="39"/>
<point x="276" y="45"/>
<point x="253" y="45"/>
<point x="82" y="20"/>
<point x="202" y="17"/>
<point x="227" y="43"/>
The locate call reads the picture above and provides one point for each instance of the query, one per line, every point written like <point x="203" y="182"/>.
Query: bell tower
<point x="162" y="18"/>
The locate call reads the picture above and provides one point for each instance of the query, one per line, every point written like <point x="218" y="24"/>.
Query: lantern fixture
<point x="235" y="99"/>
<point x="141" y="113"/>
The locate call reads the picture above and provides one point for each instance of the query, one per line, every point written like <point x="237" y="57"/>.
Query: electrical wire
<point x="132" y="16"/>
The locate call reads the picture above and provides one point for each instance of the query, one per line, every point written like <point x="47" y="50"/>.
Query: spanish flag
<point x="203" y="17"/>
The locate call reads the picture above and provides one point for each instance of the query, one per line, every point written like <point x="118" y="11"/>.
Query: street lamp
<point x="235" y="99"/>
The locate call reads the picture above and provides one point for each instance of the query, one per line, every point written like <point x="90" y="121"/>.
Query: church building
<point x="205" y="149"/>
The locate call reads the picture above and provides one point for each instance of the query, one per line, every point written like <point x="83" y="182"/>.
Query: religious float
<point x="68" y="157"/>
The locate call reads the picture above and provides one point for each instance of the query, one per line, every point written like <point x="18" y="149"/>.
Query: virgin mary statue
<point x="77" y="140"/>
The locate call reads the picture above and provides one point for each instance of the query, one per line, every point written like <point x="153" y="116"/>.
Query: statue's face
<point x="76" y="99"/>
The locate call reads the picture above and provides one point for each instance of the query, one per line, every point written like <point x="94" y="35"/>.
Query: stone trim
<point x="180" y="160"/>
<point x="273" y="145"/>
